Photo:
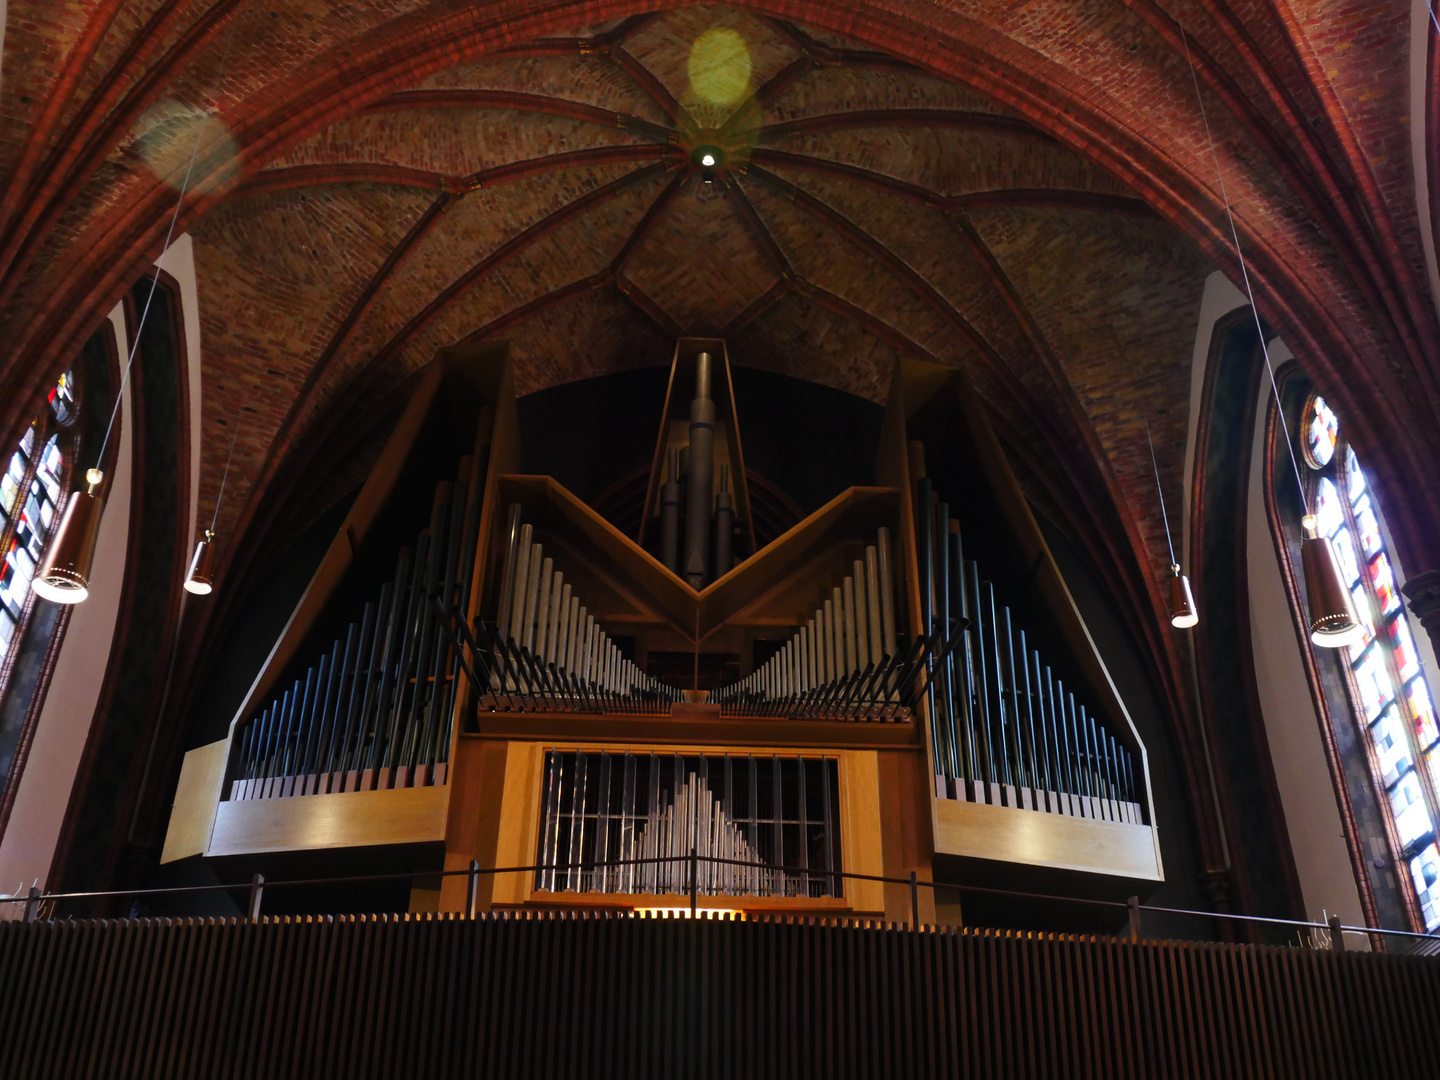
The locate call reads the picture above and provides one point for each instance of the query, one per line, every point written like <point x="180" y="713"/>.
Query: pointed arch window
<point x="30" y="493"/>
<point x="1389" y="693"/>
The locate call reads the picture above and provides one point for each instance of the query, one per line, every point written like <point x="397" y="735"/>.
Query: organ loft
<point x="897" y="683"/>
<point x="806" y="538"/>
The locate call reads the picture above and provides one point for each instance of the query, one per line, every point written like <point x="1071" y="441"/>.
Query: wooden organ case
<point x="532" y="686"/>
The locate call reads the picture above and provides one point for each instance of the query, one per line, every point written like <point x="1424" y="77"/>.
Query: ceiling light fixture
<point x="707" y="159"/>
<point x="200" y="580"/>
<point x="1182" y="602"/>
<point x="1333" y="622"/>
<point x="64" y="573"/>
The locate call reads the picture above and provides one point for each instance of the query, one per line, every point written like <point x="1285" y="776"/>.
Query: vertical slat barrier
<point x="573" y="995"/>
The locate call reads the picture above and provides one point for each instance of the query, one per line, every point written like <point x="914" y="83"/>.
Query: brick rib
<point x="1066" y="197"/>
<point x="366" y="173"/>
<point x="509" y="99"/>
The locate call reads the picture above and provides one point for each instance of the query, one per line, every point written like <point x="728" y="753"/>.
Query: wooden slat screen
<point x="574" y="996"/>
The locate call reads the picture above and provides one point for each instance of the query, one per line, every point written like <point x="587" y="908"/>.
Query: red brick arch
<point x="1342" y="297"/>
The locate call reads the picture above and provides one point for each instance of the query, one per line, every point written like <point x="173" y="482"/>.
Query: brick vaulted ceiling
<point x="1024" y="190"/>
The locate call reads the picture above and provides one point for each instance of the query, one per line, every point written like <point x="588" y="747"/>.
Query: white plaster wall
<point x="44" y="793"/>
<point x="179" y="263"/>
<point x="1292" y="727"/>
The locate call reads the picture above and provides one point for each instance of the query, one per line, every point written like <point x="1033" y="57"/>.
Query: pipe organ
<point x="900" y="683"/>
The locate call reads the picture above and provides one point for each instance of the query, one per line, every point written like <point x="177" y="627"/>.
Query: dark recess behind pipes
<point x="811" y="441"/>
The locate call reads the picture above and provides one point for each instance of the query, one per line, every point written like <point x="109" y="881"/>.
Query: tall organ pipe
<point x="724" y="524"/>
<point x="699" y="489"/>
<point x="670" y="516"/>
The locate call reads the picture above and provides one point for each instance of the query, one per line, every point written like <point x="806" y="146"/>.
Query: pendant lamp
<point x="1182" y="602"/>
<point x="1332" y="616"/>
<point x="198" y="581"/>
<point x="1333" y="623"/>
<point x="64" y="574"/>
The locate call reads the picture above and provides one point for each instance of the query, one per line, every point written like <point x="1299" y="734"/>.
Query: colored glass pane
<point x="62" y="398"/>
<point x="1354" y="477"/>
<point x="1412" y="820"/>
<point x="1422" y="713"/>
<point x="1322" y="430"/>
<point x="1368" y="526"/>
<point x="48" y="471"/>
<point x="1384" y="581"/>
<point x="1344" y="546"/>
<point x="1392" y="750"/>
<point x="1364" y="610"/>
<point x="8" y="490"/>
<point x="7" y="628"/>
<point x="1425" y="869"/>
<point x="1328" y="513"/>
<point x="1376" y="689"/>
<point x="27" y="441"/>
<point x="1407" y="660"/>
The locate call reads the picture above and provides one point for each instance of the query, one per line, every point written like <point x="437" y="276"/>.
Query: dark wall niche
<point x="1174" y="813"/>
<point x="1223" y="636"/>
<point x="99" y="817"/>
<point x="810" y="441"/>
<point x="591" y="433"/>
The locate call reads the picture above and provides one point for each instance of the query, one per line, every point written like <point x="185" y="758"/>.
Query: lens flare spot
<point x="720" y="67"/>
<point x="169" y="135"/>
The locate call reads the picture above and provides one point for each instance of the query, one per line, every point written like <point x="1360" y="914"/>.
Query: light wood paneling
<point x="999" y="834"/>
<point x="860" y="842"/>
<point x="312" y="822"/>
<point x="519" y="821"/>
<point x="193" y="812"/>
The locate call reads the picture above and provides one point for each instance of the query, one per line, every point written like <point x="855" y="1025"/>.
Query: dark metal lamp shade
<point x="1182" y="603"/>
<point x="199" y="580"/>
<point x="64" y="575"/>
<point x="1332" y="615"/>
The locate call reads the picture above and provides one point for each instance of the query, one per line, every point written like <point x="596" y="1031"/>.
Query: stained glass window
<point x="1322" y="431"/>
<point x="1390" y="694"/>
<point x="31" y="490"/>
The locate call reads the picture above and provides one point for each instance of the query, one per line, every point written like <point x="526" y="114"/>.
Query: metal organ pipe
<point x="724" y="525"/>
<point x="670" y="516"/>
<point x="700" y="483"/>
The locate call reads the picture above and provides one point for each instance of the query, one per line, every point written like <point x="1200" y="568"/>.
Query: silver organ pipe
<point x="839" y="664"/>
<point x="1006" y="729"/>
<point x="376" y="708"/>
<point x="555" y="656"/>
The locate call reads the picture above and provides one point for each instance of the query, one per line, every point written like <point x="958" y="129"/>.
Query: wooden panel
<point x="196" y="795"/>
<point x="999" y="834"/>
<point x="855" y="514"/>
<point x="519" y="821"/>
<point x="580" y="996"/>
<point x="725" y="731"/>
<point x="599" y="550"/>
<point x="350" y="819"/>
<point x="860" y="828"/>
<point x="477" y="785"/>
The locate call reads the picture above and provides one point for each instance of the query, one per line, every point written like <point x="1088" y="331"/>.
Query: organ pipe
<point x="699" y="483"/>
